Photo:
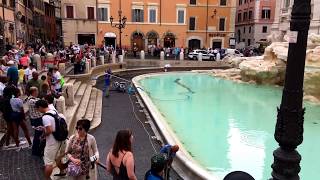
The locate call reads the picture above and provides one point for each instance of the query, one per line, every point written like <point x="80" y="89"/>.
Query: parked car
<point x="232" y="52"/>
<point x="205" y="55"/>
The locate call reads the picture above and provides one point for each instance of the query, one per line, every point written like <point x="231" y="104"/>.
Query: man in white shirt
<point x="57" y="80"/>
<point x="28" y="72"/>
<point x="52" y="145"/>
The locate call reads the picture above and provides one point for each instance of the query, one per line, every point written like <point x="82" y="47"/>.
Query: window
<point x="239" y="17"/>
<point x="286" y="3"/>
<point x="193" y="2"/>
<point x="264" y="29"/>
<point x="4" y="2"/>
<point x="249" y="42"/>
<point x="192" y="23"/>
<point x="243" y="40"/>
<point x="90" y="12"/>
<point x="103" y="14"/>
<point x="249" y="29"/>
<point x="137" y="15"/>
<point x="223" y="2"/>
<point x="240" y="2"/>
<point x="181" y="16"/>
<point x="245" y="16"/>
<point x="265" y="13"/>
<point x="69" y="10"/>
<point x="250" y="15"/>
<point x="244" y="30"/>
<point x="152" y="15"/>
<point x="245" y="1"/>
<point x="222" y="22"/>
<point x="12" y="3"/>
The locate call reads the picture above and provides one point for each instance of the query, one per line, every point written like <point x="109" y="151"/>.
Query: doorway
<point x="216" y="44"/>
<point x="194" y="44"/>
<point x="86" y="39"/>
<point x="169" y="40"/>
<point x="137" y="40"/>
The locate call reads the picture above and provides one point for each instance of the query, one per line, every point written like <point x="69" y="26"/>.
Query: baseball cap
<point x="158" y="161"/>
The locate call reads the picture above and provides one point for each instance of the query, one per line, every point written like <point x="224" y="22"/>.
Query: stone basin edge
<point x="183" y="156"/>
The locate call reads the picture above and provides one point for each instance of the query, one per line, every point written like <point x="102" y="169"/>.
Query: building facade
<point x="254" y="20"/>
<point x="79" y="22"/>
<point x="283" y="16"/>
<point x="165" y="23"/>
<point x="211" y="23"/>
<point x="50" y="21"/>
<point x="24" y="20"/>
<point x="7" y="17"/>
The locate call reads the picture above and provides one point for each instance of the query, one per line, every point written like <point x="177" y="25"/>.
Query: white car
<point x="205" y="55"/>
<point x="233" y="52"/>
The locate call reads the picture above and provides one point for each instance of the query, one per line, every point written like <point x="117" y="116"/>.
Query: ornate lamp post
<point x="289" y="127"/>
<point x="121" y="25"/>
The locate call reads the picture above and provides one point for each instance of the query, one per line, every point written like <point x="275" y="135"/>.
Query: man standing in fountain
<point x="107" y="80"/>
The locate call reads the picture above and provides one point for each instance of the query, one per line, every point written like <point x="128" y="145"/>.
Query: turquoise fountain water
<point x="227" y="126"/>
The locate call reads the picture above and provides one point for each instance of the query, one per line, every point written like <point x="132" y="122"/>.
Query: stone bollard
<point x="142" y="55"/>
<point x="37" y="60"/>
<point x="62" y="68"/>
<point x="181" y="56"/>
<point x="113" y="56"/>
<point x="87" y="67"/>
<point x="61" y="105"/>
<point x="120" y="58"/>
<point x="162" y="55"/>
<point x="101" y="58"/>
<point x="93" y="62"/>
<point x="68" y="94"/>
<point x="200" y="57"/>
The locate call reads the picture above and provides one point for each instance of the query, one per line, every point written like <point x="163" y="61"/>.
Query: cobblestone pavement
<point x="117" y="114"/>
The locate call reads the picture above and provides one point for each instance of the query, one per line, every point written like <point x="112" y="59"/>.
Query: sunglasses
<point x="79" y="128"/>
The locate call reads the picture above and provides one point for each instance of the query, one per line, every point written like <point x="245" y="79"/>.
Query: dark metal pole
<point x="289" y="127"/>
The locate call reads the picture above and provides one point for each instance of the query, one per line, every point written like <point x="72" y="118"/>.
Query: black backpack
<point x="61" y="132"/>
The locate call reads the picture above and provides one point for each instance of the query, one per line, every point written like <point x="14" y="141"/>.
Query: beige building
<point x="283" y="16"/>
<point x="79" y="23"/>
<point x="7" y="16"/>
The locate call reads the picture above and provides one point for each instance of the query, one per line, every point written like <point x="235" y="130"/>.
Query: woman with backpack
<point x="82" y="152"/>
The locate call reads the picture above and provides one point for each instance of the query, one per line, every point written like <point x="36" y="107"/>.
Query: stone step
<point x="91" y="105"/>
<point x="96" y="121"/>
<point x="76" y="86"/>
<point x="81" y="90"/>
<point x="69" y="69"/>
<point x="66" y="79"/>
<point x="71" y="81"/>
<point x="80" y="111"/>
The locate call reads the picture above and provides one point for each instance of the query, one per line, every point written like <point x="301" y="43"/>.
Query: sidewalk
<point x="117" y="113"/>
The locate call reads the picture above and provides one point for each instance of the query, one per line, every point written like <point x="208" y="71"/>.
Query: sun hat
<point x="238" y="175"/>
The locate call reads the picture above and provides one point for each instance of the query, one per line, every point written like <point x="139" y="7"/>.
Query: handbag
<point x="74" y="169"/>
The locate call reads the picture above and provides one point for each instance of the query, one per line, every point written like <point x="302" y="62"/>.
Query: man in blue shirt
<point x="170" y="152"/>
<point x="158" y="163"/>
<point x="12" y="74"/>
<point x="107" y="81"/>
